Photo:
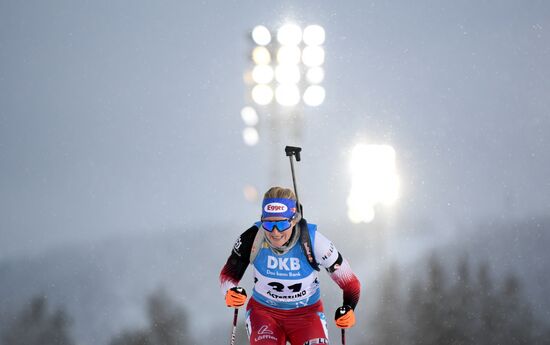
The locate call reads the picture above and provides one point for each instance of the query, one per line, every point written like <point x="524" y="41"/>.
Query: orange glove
<point x="235" y="297"/>
<point x="344" y="317"/>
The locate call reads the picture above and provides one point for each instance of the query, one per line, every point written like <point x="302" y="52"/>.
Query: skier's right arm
<point x="238" y="261"/>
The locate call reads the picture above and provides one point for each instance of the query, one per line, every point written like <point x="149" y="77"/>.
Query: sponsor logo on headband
<point x="275" y="207"/>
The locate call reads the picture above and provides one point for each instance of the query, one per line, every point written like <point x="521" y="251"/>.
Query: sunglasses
<point x="281" y="225"/>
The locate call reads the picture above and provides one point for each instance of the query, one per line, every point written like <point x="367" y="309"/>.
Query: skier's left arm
<point x="338" y="268"/>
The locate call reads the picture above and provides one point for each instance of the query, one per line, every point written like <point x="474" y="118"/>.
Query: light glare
<point x="288" y="55"/>
<point x="262" y="94"/>
<point x="314" y="35"/>
<point x="249" y="116"/>
<point x="287" y="74"/>
<point x="289" y="34"/>
<point x="314" y="95"/>
<point x="261" y="35"/>
<point x="262" y="74"/>
<point x="360" y="215"/>
<point x="315" y="75"/>
<point x="250" y="136"/>
<point x="261" y="56"/>
<point x="250" y="193"/>
<point x="287" y="95"/>
<point x="374" y="180"/>
<point x="313" y="56"/>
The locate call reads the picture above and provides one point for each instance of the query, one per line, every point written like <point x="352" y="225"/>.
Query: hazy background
<point x="121" y="157"/>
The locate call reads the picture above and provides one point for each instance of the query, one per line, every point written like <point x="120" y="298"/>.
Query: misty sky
<point x="121" y="117"/>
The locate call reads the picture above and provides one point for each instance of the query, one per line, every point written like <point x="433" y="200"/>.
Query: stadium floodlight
<point x="287" y="95"/>
<point x="374" y="180"/>
<point x="314" y="95"/>
<point x="358" y="210"/>
<point x="314" y="35"/>
<point x="262" y="74"/>
<point x="287" y="74"/>
<point x="261" y="35"/>
<point x="288" y="55"/>
<point x="261" y="56"/>
<point x="315" y="75"/>
<point x="313" y="56"/>
<point x="289" y="34"/>
<point x="291" y="62"/>
<point x="262" y="94"/>
<point x="249" y="116"/>
<point x="250" y="136"/>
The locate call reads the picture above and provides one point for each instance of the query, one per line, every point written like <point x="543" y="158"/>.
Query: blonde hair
<point x="280" y="192"/>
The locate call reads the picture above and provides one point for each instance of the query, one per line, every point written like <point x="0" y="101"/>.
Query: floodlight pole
<point x="286" y="119"/>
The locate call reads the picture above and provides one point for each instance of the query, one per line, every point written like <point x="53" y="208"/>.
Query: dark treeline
<point x="458" y="307"/>
<point x="36" y="325"/>
<point x="461" y="306"/>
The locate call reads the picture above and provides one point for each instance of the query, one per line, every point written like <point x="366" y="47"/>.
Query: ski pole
<point x="234" y="331"/>
<point x="343" y="336"/>
<point x="292" y="151"/>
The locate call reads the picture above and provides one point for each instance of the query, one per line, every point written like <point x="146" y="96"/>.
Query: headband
<point x="278" y="207"/>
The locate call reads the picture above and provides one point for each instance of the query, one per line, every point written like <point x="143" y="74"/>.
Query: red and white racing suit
<point x="285" y="303"/>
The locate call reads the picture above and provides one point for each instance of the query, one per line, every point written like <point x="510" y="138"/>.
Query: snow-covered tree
<point x="167" y="324"/>
<point x="35" y="325"/>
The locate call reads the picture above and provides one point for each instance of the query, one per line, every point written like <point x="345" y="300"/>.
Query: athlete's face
<point x="276" y="237"/>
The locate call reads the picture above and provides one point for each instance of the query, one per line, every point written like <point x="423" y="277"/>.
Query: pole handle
<point x="293" y="151"/>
